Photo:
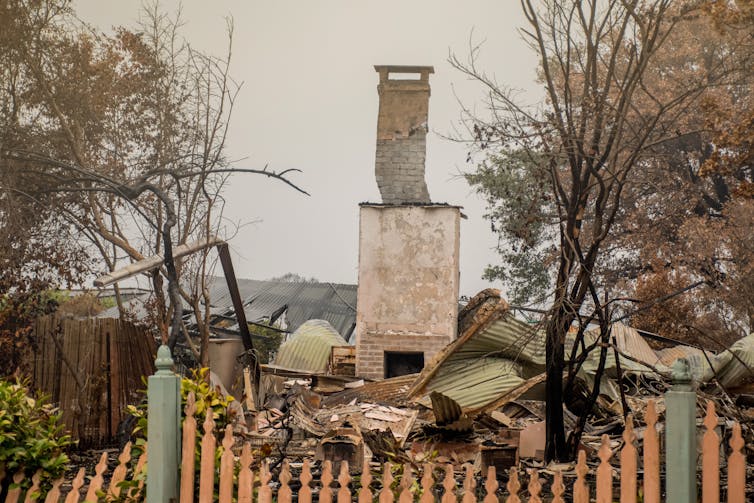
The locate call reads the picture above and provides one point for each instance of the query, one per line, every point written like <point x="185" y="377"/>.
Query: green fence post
<point x="680" y="436"/>
<point x="163" y="430"/>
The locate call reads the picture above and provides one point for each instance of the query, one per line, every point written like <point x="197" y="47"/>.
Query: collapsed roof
<point x="497" y="355"/>
<point x="300" y="301"/>
<point x="269" y="300"/>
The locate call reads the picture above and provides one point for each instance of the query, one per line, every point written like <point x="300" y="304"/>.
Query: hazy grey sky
<point x="309" y="101"/>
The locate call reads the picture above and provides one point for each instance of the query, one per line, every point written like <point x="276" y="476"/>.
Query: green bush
<point x="31" y="437"/>
<point x="205" y="396"/>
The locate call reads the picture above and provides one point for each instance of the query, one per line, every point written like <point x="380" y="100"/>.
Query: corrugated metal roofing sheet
<point x="630" y="343"/>
<point x="732" y="367"/>
<point x="135" y="306"/>
<point x="474" y="383"/>
<point x="308" y="348"/>
<point x="335" y="303"/>
<point x="668" y="355"/>
<point x="392" y="391"/>
<point x="484" y="365"/>
<point x="486" y="362"/>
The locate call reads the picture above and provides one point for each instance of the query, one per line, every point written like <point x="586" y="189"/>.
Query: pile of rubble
<point x="481" y="401"/>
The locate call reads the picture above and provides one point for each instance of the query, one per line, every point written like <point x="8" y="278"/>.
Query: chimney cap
<point x="386" y="70"/>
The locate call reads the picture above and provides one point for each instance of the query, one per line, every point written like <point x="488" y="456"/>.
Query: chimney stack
<point x="407" y="307"/>
<point x="402" y="134"/>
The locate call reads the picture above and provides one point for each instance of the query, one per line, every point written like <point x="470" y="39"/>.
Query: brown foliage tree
<point x="612" y="101"/>
<point x="127" y="131"/>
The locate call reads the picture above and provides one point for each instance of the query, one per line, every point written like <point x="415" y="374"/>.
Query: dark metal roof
<point x="335" y="303"/>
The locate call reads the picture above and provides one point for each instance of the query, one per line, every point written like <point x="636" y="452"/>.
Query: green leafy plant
<point x="31" y="437"/>
<point x="205" y="396"/>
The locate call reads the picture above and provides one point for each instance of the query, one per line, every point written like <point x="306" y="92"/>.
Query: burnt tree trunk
<point x="555" y="442"/>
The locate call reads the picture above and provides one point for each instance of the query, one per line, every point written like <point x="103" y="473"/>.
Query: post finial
<point x="164" y="361"/>
<point x="681" y="372"/>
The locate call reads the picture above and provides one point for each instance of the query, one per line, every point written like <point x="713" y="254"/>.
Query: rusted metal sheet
<point x="391" y="391"/>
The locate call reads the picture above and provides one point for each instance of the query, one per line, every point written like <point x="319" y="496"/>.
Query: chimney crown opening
<point x="391" y="73"/>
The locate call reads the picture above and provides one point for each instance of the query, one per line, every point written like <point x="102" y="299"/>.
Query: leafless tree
<point x="131" y="127"/>
<point x="608" y="104"/>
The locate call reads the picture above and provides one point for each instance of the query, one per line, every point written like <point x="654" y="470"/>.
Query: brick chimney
<point x="407" y="305"/>
<point x="402" y="134"/>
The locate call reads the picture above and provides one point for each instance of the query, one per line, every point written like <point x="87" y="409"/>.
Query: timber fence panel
<point x="287" y="490"/>
<point x="628" y="463"/>
<point x="365" y="493"/>
<point x="736" y="467"/>
<point x="226" y="467"/>
<point x="91" y="369"/>
<point x="710" y="457"/>
<point x="428" y="484"/>
<point x="325" y="493"/>
<point x="344" y="479"/>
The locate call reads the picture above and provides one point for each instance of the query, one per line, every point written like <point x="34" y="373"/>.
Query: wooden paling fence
<point x="91" y="369"/>
<point x="445" y="489"/>
<point x="94" y="492"/>
<point x="235" y="479"/>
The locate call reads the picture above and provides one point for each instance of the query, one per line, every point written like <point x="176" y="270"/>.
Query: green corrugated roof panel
<point x="308" y="348"/>
<point x="490" y="363"/>
<point x="518" y="341"/>
<point x="495" y="360"/>
<point x="476" y="382"/>
<point x="733" y="367"/>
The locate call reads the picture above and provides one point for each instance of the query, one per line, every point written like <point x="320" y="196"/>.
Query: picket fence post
<point x="163" y="423"/>
<point x="680" y="436"/>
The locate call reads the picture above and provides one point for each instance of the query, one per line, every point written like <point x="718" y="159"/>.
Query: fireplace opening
<point x="400" y="363"/>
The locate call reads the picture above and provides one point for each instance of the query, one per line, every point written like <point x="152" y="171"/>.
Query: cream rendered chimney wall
<point x="408" y="246"/>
